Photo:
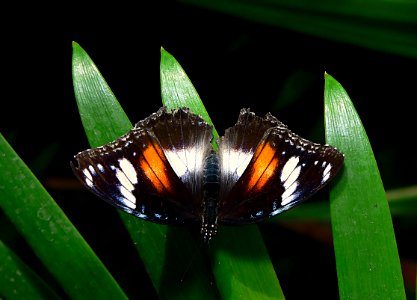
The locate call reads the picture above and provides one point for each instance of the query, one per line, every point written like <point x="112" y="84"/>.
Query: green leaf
<point x="178" y="91"/>
<point x="50" y="234"/>
<point x="43" y="159"/>
<point x="249" y="274"/>
<point x="317" y="211"/>
<point x="387" y="26"/>
<point x="402" y="203"/>
<point x="367" y="261"/>
<point x="96" y="101"/>
<point x="242" y="266"/>
<point x="18" y="281"/>
<point x="165" y="251"/>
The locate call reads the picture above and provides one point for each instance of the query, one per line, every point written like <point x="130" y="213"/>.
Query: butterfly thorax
<point x="211" y="187"/>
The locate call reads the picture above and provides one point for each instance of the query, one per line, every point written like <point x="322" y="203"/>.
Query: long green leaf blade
<point x="165" y="251"/>
<point x="387" y="26"/>
<point x="49" y="233"/>
<point x="402" y="203"/>
<point x="367" y="260"/>
<point x="18" y="281"/>
<point x="242" y="266"/>
<point x="249" y="276"/>
<point x="178" y="91"/>
<point x="95" y="101"/>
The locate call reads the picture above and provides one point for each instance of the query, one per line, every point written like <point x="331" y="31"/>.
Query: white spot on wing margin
<point x="88" y="178"/>
<point x="100" y="167"/>
<point x="129" y="196"/>
<point x="289" y="195"/>
<point x="326" y="173"/>
<point x="289" y="166"/>
<point x="88" y="174"/>
<point x="289" y="175"/>
<point x="293" y="177"/>
<point x="129" y="170"/>
<point x="126" y="176"/>
<point x="124" y="181"/>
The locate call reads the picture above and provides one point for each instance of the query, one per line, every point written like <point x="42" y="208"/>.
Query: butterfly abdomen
<point x="211" y="188"/>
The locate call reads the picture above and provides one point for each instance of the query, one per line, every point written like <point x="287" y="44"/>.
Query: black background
<point x="233" y="64"/>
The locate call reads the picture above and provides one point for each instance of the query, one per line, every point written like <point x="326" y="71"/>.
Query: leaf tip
<point x="76" y="46"/>
<point x="165" y="54"/>
<point x="77" y="51"/>
<point x="327" y="76"/>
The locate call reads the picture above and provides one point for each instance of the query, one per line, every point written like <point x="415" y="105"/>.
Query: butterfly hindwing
<point x="134" y="173"/>
<point x="284" y="170"/>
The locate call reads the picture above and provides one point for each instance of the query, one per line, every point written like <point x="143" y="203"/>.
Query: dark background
<point x="233" y="63"/>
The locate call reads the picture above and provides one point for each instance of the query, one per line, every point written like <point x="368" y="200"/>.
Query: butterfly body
<point x="211" y="190"/>
<point x="166" y="171"/>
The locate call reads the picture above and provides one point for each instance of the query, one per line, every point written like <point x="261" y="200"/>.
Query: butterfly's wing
<point x="237" y="146"/>
<point x="134" y="172"/>
<point x="284" y="170"/>
<point x="185" y="139"/>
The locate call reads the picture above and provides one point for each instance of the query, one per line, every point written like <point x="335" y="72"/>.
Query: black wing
<point x="284" y="170"/>
<point x="134" y="172"/>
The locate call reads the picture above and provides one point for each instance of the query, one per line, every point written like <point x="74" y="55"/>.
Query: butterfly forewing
<point x="285" y="169"/>
<point x="185" y="139"/>
<point x="238" y="145"/>
<point x="134" y="173"/>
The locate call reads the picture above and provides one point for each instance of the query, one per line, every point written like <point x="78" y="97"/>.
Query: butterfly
<point x="165" y="170"/>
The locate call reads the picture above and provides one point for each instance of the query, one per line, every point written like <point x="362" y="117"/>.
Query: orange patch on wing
<point x="154" y="168"/>
<point x="263" y="167"/>
<point x="269" y="172"/>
